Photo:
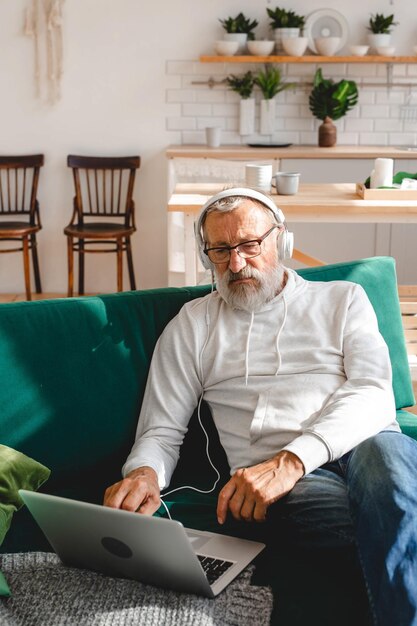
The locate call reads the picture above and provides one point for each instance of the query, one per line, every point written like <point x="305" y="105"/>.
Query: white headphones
<point x="285" y="240"/>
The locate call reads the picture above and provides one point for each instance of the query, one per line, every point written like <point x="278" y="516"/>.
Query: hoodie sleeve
<point x="362" y="406"/>
<point x="172" y="392"/>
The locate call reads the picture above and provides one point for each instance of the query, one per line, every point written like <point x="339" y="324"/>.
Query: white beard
<point x="254" y="295"/>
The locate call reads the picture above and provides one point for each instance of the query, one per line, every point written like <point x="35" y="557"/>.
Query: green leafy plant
<point x="270" y="83"/>
<point x="239" y="24"/>
<point x="281" y="18"/>
<point x="243" y="85"/>
<point x="381" y="24"/>
<point x="330" y="99"/>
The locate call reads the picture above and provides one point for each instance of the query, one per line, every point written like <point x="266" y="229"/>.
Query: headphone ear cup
<point x="205" y="261"/>
<point x="285" y="244"/>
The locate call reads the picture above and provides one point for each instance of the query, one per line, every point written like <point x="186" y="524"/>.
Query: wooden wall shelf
<point x="307" y="59"/>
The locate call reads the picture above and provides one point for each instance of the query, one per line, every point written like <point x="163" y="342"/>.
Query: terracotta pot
<point x="327" y="133"/>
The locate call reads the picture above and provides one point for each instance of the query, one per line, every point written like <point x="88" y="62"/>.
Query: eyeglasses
<point x="246" y="249"/>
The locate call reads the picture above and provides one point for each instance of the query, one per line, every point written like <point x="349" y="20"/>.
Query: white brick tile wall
<point x="181" y="95"/>
<point x="348" y="139"/>
<point x="374" y="111"/>
<point x="196" y="110"/>
<point x="388" y="125"/>
<point x="228" y="110"/>
<point x="360" y="125"/>
<point x="378" y="119"/>
<point x="211" y="96"/>
<point x="359" y="70"/>
<point x="181" y="123"/>
<point x="373" y="139"/>
<point x="202" y="122"/>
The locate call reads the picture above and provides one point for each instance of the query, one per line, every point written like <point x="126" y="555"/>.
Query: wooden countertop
<point x="313" y="203"/>
<point x="292" y="152"/>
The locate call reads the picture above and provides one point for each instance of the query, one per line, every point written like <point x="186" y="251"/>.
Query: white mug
<point x="286" y="183"/>
<point x="258" y="176"/>
<point x="213" y="136"/>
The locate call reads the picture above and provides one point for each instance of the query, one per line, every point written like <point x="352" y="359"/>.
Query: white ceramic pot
<point x="261" y="48"/>
<point x="327" y="46"/>
<point x="280" y="33"/>
<point x="294" y="46"/>
<point x="377" y="40"/>
<point x="226" y="48"/>
<point x="241" y="38"/>
<point x="267" y="117"/>
<point x="247" y="116"/>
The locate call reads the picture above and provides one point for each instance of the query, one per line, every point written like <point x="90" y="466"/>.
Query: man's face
<point x="245" y="283"/>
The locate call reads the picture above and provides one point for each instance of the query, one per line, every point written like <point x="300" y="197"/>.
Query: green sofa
<point x="73" y="373"/>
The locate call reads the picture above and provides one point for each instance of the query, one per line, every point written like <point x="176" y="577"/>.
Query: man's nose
<point x="236" y="262"/>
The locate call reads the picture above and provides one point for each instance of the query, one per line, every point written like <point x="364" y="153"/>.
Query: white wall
<point x="114" y="102"/>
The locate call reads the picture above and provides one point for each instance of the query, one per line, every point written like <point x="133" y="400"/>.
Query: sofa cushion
<point x="17" y="471"/>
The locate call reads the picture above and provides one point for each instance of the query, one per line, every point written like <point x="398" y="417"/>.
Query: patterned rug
<point x="46" y="593"/>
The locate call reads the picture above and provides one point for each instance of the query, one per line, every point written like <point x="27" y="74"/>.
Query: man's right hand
<point x="138" y="492"/>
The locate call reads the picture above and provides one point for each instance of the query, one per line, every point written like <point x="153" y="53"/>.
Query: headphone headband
<point x="246" y="192"/>
<point x="285" y="239"/>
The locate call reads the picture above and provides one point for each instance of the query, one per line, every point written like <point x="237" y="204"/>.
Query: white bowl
<point x="226" y="48"/>
<point x="358" y="51"/>
<point x="385" y="51"/>
<point x="294" y="46"/>
<point x="261" y="48"/>
<point x="327" y="46"/>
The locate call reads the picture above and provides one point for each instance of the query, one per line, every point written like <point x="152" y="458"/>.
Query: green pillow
<point x="17" y="471"/>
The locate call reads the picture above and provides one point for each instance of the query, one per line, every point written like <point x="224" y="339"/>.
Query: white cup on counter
<point x="258" y="176"/>
<point x="381" y="175"/>
<point x="213" y="136"/>
<point x="286" y="183"/>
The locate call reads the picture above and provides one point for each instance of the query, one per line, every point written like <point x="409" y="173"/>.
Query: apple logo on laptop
<point x="116" y="547"/>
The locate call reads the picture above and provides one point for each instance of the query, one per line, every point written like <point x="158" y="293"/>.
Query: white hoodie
<point x="309" y="373"/>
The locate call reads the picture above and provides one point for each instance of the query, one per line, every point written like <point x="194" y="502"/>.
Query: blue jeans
<point x="367" y="499"/>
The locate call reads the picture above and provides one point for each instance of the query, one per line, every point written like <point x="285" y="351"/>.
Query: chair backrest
<point x="19" y="177"/>
<point x="104" y="186"/>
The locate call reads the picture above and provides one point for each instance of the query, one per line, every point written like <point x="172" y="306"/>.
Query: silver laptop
<point x="153" y="550"/>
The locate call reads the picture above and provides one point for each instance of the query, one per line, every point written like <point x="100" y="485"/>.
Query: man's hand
<point x="139" y="491"/>
<point x="251" y="490"/>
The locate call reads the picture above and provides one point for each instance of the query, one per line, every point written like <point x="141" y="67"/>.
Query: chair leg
<point x="130" y="264"/>
<point x="35" y="262"/>
<point x="70" y="250"/>
<point x="81" y="267"/>
<point x="119" y="265"/>
<point x="26" y="267"/>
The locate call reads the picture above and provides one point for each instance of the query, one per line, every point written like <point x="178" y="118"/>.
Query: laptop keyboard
<point x="213" y="568"/>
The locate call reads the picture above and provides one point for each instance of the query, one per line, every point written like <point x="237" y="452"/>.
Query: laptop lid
<point x="150" y="549"/>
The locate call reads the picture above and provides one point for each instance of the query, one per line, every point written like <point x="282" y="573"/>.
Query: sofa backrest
<point x="73" y="371"/>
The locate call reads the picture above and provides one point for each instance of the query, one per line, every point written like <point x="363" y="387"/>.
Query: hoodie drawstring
<point x="279" y="359"/>
<point x="247" y="349"/>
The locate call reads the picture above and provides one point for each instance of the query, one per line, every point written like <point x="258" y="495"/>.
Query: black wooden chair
<point x="103" y="213"/>
<point x="19" y="210"/>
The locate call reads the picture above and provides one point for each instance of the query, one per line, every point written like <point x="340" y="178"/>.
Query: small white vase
<point x="377" y="40"/>
<point x="247" y="116"/>
<point x="241" y="38"/>
<point x="280" y="33"/>
<point x="267" y="117"/>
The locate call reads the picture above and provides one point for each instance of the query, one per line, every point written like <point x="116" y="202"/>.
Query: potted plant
<point x="285" y="24"/>
<point x="330" y="101"/>
<point x="239" y="29"/>
<point x="243" y="85"/>
<point x="270" y="84"/>
<point x="380" y="27"/>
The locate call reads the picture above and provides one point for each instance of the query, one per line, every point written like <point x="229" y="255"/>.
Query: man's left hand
<point x="251" y="490"/>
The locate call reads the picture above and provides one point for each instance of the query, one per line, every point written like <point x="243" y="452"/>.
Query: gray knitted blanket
<point x="46" y="593"/>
